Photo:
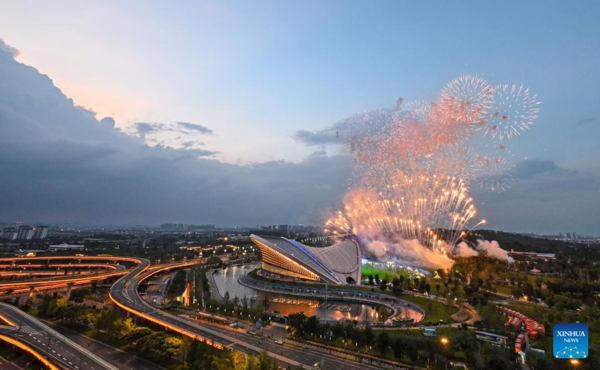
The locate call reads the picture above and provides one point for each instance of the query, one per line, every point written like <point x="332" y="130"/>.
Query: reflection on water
<point x="226" y="280"/>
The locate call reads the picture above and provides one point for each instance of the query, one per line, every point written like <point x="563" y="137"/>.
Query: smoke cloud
<point x="463" y="250"/>
<point x="493" y="250"/>
<point x="409" y="252"/>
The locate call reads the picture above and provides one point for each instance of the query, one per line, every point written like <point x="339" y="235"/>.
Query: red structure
<point x="522" y="322"/>
<point x="186" y="296"/>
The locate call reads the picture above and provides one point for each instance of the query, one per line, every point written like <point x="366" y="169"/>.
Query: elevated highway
<point x="51" y="348"/>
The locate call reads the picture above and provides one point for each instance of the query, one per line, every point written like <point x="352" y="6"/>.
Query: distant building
<point x="40" y="232"/>
<point x="532" y="255"/>
<point x="568" y="235"/>
<point x="25" y="232"/>
<point x="10" y="233"/>
<point x="173" y="227"/>
<point x="65" y="247"/>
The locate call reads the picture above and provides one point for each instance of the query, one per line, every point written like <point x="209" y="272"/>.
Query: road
<point x="124" y="293"/>
<point x="121" y="359"/>
<point x="55" y="347"/>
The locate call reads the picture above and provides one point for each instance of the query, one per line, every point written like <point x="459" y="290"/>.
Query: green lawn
<point x="383" y="273"/>
<point x="434" y="310"/>
<point x="528" y="309"/>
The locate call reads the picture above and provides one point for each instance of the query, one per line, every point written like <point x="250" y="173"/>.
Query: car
<point x="280" y="342"/>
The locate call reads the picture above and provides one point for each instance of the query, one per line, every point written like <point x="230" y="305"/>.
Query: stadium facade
<point x="336" y="264"/>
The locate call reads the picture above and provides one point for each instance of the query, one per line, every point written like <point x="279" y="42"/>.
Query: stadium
<point x="287" y="258"/>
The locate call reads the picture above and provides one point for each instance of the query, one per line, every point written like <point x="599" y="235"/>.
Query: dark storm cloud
<point x="9" y="49"/>
<point x="61" y="164"/>
<point x="196" y="127"/>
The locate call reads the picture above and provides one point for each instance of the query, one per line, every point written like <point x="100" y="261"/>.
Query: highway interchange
<point x="66" y="354"/>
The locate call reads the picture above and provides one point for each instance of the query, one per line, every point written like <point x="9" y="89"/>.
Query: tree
<point x="109" y="322"/>
<point x="137" y="334"/>
<point x="383" y="285"/>
<point x="383" y="342"/>
<point x="72" y="314"/>
<point x="158" y="346"/>
<point x="398" y="349"/>
<point x="368" y="335"/>
<point x="194" y="355"/>
<point x="266" y="363"/>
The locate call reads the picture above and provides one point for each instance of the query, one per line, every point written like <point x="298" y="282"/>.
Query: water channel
<point x="226" y="280"/>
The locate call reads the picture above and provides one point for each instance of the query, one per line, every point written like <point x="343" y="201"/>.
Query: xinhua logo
<point x="570" y="340"/>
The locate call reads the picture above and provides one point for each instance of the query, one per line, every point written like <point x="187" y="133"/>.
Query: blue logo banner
<point x="570" y="340"/>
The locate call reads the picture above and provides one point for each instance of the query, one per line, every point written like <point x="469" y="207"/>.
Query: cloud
<point x="177" y="135"/>
<point x="310" y="138"/>
<point x="195" y="127"/>
<point x="109" y="121"/>
<point x="585" y="121"/>
<point x="63" y="165"/>
<point x="341" y="131"/>
<point x="532" y="168"/>
<point x="9" y="49"/>
<point x="547" y="198"/>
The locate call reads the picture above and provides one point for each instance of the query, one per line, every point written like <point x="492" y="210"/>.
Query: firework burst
<point x="513" y="111"/>
<point x="413" y="166"/>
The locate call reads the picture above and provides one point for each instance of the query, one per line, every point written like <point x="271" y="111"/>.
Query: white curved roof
<point x="332" y="264"/>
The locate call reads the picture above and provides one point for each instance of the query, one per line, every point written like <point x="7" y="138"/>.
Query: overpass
<point x="51" y="348"/>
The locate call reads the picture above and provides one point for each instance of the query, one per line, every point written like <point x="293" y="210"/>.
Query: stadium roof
<point x="333" y="264"/>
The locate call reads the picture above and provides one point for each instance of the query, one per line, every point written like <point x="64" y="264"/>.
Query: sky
<point x="232" y="83"/>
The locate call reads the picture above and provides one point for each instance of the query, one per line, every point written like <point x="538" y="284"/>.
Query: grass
<point x="434" y="310"/>
<point x="449" y="333"/>
<point x="527" y="309"/>
<point x="383" y="273"/>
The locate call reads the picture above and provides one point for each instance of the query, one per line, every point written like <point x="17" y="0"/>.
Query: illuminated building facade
<point x="336" y="264"/>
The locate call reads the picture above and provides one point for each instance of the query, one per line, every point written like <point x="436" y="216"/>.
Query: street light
<point x="575" y="363"/>
<point x="445" y="342"/>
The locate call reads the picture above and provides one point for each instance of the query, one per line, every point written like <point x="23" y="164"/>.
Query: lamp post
<point x="445" y="342"/>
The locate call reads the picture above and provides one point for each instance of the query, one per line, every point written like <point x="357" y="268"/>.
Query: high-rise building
<point x="40" y="232"/>
<point x="25" y="232"/>
<point x="568" y="235"/>
<point x="9" y="233"/>
<point x="574" y="236"/>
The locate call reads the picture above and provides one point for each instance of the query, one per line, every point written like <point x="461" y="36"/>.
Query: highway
<point x="124" y="293"/>
<point x="113" y="268"/>
<point x="55" y="348"/>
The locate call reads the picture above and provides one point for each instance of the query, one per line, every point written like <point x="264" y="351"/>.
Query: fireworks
<point x="495" y="174"/>
<point x="434" y="211"/>
<point x="513" y="111"/>
<point x="466" y="100"/>
<point x="413" y="166"/>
